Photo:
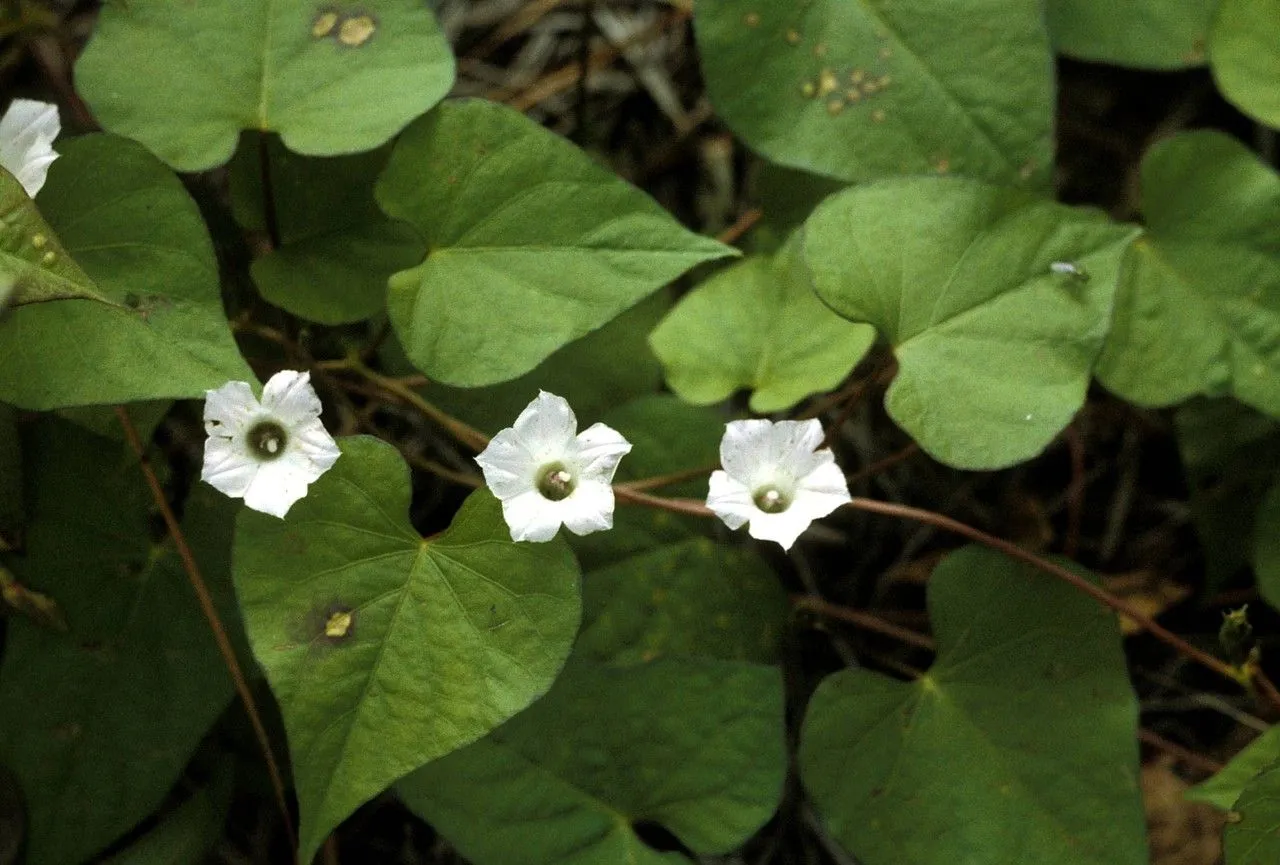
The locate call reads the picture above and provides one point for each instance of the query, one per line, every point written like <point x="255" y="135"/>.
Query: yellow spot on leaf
<point x="39" y="240"/>
<point x="886" y="52"/>
<point x="48" y="258"/>
<point x="835" y="106"/>
<point x="808" y="89"/>
<point x="856" y="76"/>
<point x="324" y="24"/>
<point x="827" y="82"/>
<point x="338" y="626"/>
<point x="793" y="37"/>
<point x="752" y="19"/>
<point x="877" y="116"/>
<point x="357" y="30"/>
<point x="853" y="94"/>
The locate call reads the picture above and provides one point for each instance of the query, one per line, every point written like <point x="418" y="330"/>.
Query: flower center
<point x="556" y="482"/>
<point x="267" y="440"/>
<point x="771" y="500"/>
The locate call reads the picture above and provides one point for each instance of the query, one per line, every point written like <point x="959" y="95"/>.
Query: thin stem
<point x="744" y="223"/>
<point x="211" y="616"/>
<point x="464" y="433"/>
<point x="880" y="465"/>
<point x="657" y="481"/>
<point x="1186" y="755"/>
<point x="1262" y="682"/>
<point x="442" y="471"/>
<point x="814" y="604"/>
<point x="689" y="507"/>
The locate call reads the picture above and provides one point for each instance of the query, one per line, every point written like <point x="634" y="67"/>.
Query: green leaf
<point x="694" y="744"/>
<point x="1245" y="57"/>
<point x="130" y="224"/>
<point x="183" y="837"/>
<point x="1254" y="839"/>
<point x="1200" y="295"/>
<point x="757" y="324"/>
<point x="1224" y="789"/>
<point x="337" y="250"/>
<point x="1021" y="737"/>
<point x="33" y="265"/>
<point x="1231" y="454"/>
<point x="98" y="722"/>
<point x="386" y="650"/>
<point x="602" y="370"/>
<point x="1150" y="34"/>
<point x="864" y="90"/>
<point x="958" y="277"/>
<point x="331" y="78"/>
<point x="532" y="244"/>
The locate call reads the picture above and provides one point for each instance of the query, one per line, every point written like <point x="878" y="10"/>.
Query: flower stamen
<point x="267" y="440"/>
<point x="771" y="500"/>
<point x="556" y="482"/>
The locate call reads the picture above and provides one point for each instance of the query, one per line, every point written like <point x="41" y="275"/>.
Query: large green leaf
<point x="1245" y="56"/>
<point x="337" y="249"/>
<point x="1231" y="454"/>
<point x="331" y="78"/>
<point x="130" y="224"/>
<point x="1253" y="838"/>
<point x="1152" y="34"/>
<point x="531" y="244"/>
<point x="1199" y="302"/>
<point x="386" y="650"/>
<point x="880" y="87"/>
<point x="184" y="836"/>
<point x="34" y="268"/>
<point x="757" y="324"/>
<point x="694" y="744"/>
<point x="99" y="721"/>
<point x="994" y="347"/>
<point x="1021" y="737"/>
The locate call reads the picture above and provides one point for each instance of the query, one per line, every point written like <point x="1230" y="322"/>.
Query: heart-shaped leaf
<point x="970" y="283"/>
<point x="1021" y="737"/>
<point x="1253" y="836"/>
<point x="568" y="780"/>
<point x="337" y="249"/>
<point x="531" y="243"/>
<point x="1152" y="34"/>
<point x="385" y="650"/>
<point x="875" y="88"/>
<point x="331" y="78"/>
<point x="1200" y="297"/>
<point x="129" y="223"/>
<point x="1245" y="57"/>
<point x="757" y="324"/>
<point x="100" y="720"/>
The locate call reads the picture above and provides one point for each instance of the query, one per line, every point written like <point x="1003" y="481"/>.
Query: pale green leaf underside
<point x="958" y="277"/>
<point x="1198" y="307"/>
<point x="1244" y="54"/>
<point x="757" y="324"/>
<point x="1224" y="789"/>
<point x="694" y="744"/>
<point x="129" y="223"/>
<point x="532" y="244"/>
<point x="1150" y="34"/>
<point x="185" y="79"/>
<point x="1020" y="737"/>
<point x="447" y="638"/>
<point x="99" y="721"/>
<point x="885" y="87"/>
<point x="1254" y="838"/>
<point x="34" y="268"/>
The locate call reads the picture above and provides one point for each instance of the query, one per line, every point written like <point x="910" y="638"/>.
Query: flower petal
<point x="589" y="509"/>
<point x="546" y="427"/>
<point x="792" y="446"/>
<point x="228" y="410"/>
<point x="311" y="451"/>
<point x="599" y="450"/>
<point x="275" y="488"/>
<point x="509" y="469"/>
<point x="730" y="499"/>
<point x="290" y="398"/>
<point x="781" y="528"/>
<point x="227" y="468"/>
<point x="27" y="131"/>
<point x="530" y="517"/>
<point x="825" y="481"/>
<point x="745" y="448"/>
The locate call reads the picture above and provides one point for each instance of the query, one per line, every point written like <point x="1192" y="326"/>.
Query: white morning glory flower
<point x="266" y="453"/>
<point x="546" y="473"/>
<point x="774" y="480"/>
<point x="27" y="131"/>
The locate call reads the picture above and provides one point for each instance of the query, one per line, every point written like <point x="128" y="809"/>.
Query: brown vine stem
<point x="1259" y="680"/>
<point x="814" y="604"/>
<point x="211" y="616"/>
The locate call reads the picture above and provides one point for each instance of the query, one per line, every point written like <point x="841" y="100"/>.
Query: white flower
<point x="774" y="480"/>
<point x="27" y="131"/>
<point x="266" y="453"/>
<point x="545" y="475"/>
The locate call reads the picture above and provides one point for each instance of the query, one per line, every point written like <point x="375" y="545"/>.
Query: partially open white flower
<point x="546" y="473"/>
<point x="27" y="131"/>
<point x="266" y="453"/>
<point x="774" y="480"/>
